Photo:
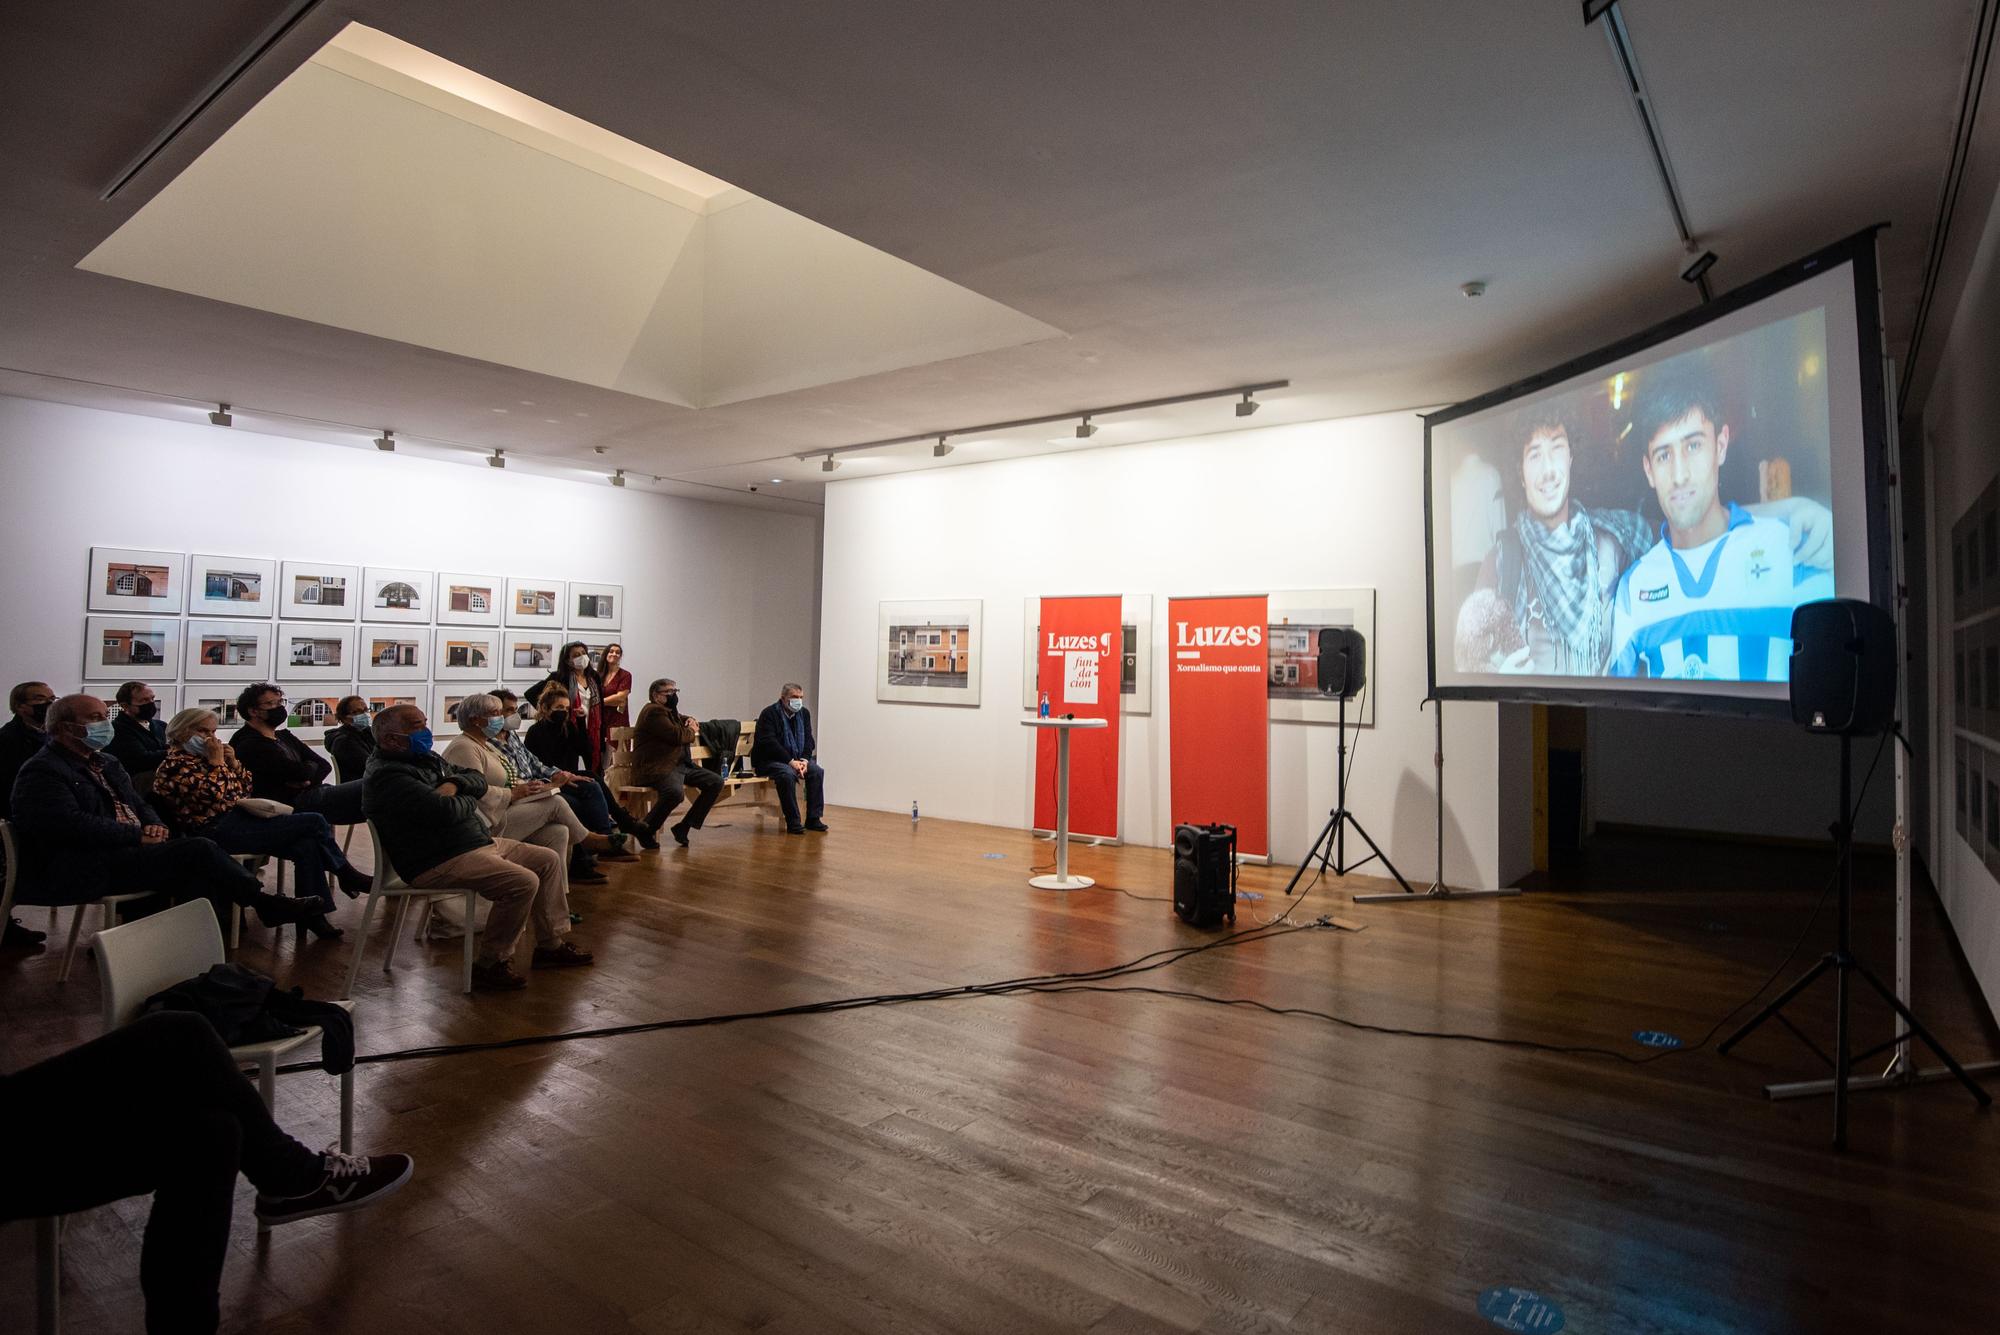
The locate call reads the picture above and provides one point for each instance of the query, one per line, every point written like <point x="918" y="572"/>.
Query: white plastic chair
<point x="388" y="885"/>
<point x="254" y="863"/>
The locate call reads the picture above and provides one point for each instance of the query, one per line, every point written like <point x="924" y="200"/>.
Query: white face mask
<point x="513" y="723"/>
<point x="579" y="661"/>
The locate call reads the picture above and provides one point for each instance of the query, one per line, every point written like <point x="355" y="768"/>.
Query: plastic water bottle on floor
<point x="913" y="811"/>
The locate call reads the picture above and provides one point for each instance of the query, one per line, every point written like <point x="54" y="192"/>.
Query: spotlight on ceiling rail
<point x="386" y="442"/>
<point x="1698" y="268"/>
<point x="1084" y="429"/>
<point x="828" y="464"/>
<point x="941" y="449"/>
<point x="1248" y="406"/>
<point x="497" y="459"/>
<point x="618" y="478"/>
<point x="221" y="417"/>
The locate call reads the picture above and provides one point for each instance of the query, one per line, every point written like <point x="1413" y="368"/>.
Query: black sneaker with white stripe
<point x="351" y="1181"/>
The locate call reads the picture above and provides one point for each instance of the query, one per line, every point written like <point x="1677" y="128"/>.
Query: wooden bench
<point x="638" y="799"/>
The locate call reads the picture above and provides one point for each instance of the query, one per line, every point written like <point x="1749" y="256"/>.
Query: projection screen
<point x="1635" y="527"/>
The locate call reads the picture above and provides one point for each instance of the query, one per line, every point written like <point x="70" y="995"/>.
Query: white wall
<point x="1323" y="505"/>
<point x="1960" y="457"/>
<point x="721" y="597"/>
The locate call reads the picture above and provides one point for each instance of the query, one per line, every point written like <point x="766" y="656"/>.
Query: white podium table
<point x="1062" y="880"/>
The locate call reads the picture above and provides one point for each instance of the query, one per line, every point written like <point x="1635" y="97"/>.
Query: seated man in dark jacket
<point x="785" y="751"/>
<point x="84" y="831"/>
<point x="22" y="736"/>
<point x="138" y="735"/>
<point x="283" y="768"/>
<point x="427" y="812"/>
<point x="660" y="759"/>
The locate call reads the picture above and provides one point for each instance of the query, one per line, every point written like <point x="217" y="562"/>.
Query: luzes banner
<point x="1078" y="664"/>
<point x="1218" y="747"/>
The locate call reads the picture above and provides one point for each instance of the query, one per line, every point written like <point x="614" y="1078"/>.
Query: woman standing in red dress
<point x="617" y="689"/>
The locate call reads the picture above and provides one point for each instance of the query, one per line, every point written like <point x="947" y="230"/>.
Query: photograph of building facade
<point x="314" y="651"/>
<point x="378" y="703"/>
<point x="595" y="606"/>
<point x="314" y="711"/>
<point x="537" y="655"/>
<point x="535" y="602"/>
<point x="236" y="586"/>
<point x="471" y="598"/>
<point x="931" y="654"/>
<point x="397" y="594"/>
<point x="320" y="590"/>
<point x="226" y="650"/>
<point x="132" y="646"/>
<point x="136" y="581"/>
<point x="222" y="706"/>
<point x="393" y="653"/>
<point x="464" y="654"/>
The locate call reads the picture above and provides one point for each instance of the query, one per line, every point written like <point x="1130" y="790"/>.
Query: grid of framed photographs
<point x="199" y="627"/>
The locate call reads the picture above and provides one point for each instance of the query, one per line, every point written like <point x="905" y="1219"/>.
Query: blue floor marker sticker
<point x="1653" y="1038"/>
<point x="1520" y="1309"/>
<point x="993" y="857"/>
<point x="1248" y="894"/>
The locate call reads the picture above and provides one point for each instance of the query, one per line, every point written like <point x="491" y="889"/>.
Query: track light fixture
<point x="1698" y="268"/>
<point x="221" y="417"/>
<point x="1248" y="406"/>
<point x="828" y="464"/>
<point x="618" y="478"/>
<point x="600" y="449"/>
<point x="497" y="459"/>
<point x="941" y="449"/>
<point x="1084" y="429"/>
<point x="386" y="442"/>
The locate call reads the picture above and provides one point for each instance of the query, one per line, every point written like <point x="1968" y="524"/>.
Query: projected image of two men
<point x="1659" y="521"/>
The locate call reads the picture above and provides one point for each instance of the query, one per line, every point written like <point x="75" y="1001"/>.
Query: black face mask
<point x="147" y="712"/>
<point x="39" y="712"/>
<point x="275" y="716"/>
<point x="673" y="700"/>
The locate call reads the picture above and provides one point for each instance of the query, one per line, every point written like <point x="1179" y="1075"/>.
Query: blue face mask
<point x="495" y="726"/>
<point x="197" y="746"/>
<point x="795" y="704"/>
<point x="361" y="721"/>
<point x="98" y="735"/>
<point x="420" y="742"/>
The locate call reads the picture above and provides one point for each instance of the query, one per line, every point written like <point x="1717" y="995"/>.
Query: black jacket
<point x="420" y="827"/>
<point x="351" y="748"/>
<point x="18" y="742"/>
<point x="558" y="740"/>
<point x="65" y="825"/>
<point x="140" y="747"/>
<point x="768" y="748"/>
<point x="280" y="767"/>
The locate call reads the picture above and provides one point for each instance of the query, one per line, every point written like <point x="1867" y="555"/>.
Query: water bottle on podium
<point x="1042" y="710"/>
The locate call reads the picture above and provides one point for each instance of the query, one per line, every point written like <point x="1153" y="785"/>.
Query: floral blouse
<point x="195" y="792"/>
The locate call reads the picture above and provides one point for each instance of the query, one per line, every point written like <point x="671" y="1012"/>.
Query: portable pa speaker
<point x="1843" y="672"/>
<point x="1343" y="661"/>
<point x="1205" y="874"/>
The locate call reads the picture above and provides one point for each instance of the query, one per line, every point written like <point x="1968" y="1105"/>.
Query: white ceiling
<point x="1197" y="195"/>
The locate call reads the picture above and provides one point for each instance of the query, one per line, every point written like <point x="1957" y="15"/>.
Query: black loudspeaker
<point x="1343" y="661"/>
<point x="1205" y="874"/>
<point x="1843" y="673"/>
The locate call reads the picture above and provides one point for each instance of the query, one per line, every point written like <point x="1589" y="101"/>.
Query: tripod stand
<point x="1331" y="846"/>
<point x="1842" y="961"/>
<point x="1438" y="889"/>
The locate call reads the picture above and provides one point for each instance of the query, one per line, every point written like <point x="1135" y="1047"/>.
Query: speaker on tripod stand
<point x="1342" y="672"/>
<point x="1843" y="682"/>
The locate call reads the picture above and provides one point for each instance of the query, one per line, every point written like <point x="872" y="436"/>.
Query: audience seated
<point x="351" y="739"/>
<point x="84" y="831"/>
<point x="27" y="705"/>
<point x="201" y="786"/>
<point x="785" y="751"/>
<point x="585" y="691"/>
<point x="139" y="738"/>
<point x="427" y="813"/>
<point x="554" y="745"/>
<point x="283" y="768"/>
<point x="158" y="1106"/>
<point x="660" y="742"/>
<point x="517" y="805"/>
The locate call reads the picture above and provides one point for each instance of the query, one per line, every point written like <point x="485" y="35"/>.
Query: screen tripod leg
<point x="1805" y="980"/>
<point x="1978" y="1092"/>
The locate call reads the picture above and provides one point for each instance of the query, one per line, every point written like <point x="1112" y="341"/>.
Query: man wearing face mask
<point x="139" y="735"/>
<point x="85" y="832"/>
<point x="427" y="813"/>
<point x="660" y="742"/>
<point x="23" y="735"/>
<point x="786" y="752"/>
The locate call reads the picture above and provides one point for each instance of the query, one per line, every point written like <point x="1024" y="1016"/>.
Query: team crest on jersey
<point x="1652" y="595"/>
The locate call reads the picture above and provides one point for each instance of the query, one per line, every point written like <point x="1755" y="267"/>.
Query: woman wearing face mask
<point x="617" y="689"/>
<point x="351" y="741"/>
<point x="200" y="786"/>
<point x="585" y="689"/>
<point x="283" y="768"/>
<point x="139" y="738"/>
<point x="554" y="746"/>
<point x="520" y="805"/>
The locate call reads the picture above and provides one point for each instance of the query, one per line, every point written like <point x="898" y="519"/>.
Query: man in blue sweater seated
<point x="786" y="751"/>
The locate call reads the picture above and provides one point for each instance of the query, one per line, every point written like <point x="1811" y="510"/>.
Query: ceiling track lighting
<point x="1249" y="405"/>
<point x="386" y="442"/>
<point x="828" y="464"/>
<point x="618" y="478"/>
<point x="497" y="459"/>
<point x="941" y="449"/>
<point x="1084" y="429"/>
<point x="221" y="417"/>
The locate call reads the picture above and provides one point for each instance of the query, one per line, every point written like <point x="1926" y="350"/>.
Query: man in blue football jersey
<point x="1714" y="597"/>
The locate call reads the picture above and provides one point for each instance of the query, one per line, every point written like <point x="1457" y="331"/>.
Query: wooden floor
<point x="1092" y="1162"/>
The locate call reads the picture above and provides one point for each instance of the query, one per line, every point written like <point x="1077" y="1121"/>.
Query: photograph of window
<point x="227" y="650"/>
<point x="396" y="595"/>
<point x="116" y="648"/>
<point x="394" y="655"/>
<point x="534" y="602"/>
<point x="129" y="581"/>
<point x="469" y="600"/>
<point x="316" y="592"/>
<point x="1291" y="640"/>
<point x="464" y="654"/>
<point x="596" y="607"/>
<point x="307" y="652"/>
<point x="309" y="707"/>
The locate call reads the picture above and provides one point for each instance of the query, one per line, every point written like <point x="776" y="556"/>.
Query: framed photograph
<point x="307" y="652"/>
<point x="232" y="586"/>
<point x="219" y="698"/>
<point x="381" y="697"/>
<point x="528" y="656"/>
<point x="929" y="652"/>
<point x="228" y="651"/>
<point x="1135" y="681"/>
<point x="136" y="582"/>
<point x="394" y="653"/>
<point x="535" y="602"/>
<point x="1292" y="639"/>
<point x="125" y="648"/>
<point x="168" y="698"/>
<point x="314" y="592"/>
<point x="469" y="600"/>
<point x="462" y="654"/>
<point x="444" y="708"/>
<point x="594" y="608"/>
<point x="397" y="595"/>
<point x="309" y="706"/>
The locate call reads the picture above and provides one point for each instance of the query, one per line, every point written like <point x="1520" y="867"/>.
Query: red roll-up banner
<point x="1077" y="663"/>
<point x="1218" y="749"/>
